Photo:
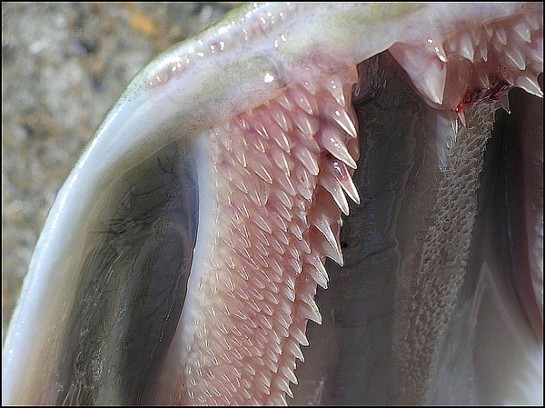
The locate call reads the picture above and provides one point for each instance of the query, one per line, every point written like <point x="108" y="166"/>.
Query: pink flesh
<point x="279" y="172"/>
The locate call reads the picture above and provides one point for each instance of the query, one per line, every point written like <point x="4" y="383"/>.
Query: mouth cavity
<point x="377" y="168"/>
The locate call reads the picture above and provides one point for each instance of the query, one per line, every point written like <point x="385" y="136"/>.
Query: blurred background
<point x="63" y="67"/>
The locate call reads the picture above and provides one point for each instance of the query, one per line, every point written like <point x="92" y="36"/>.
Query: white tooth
<point x="503" y="102"/>
<point x="325" y="228"/>
<point x="516" y="57"/>
<point x="501" y="35"/>
<point x="341" y="174"/>
<point x="318" y="271"/>
<point x="523" y="31"/>
<point x="466" y="48"/>
<point x="343" y="120"/>
<point x="335" y="88"/>
<point x="528" y="84"/>
<point x="335" y="189"/>
<point x="332" y="252"/>
<point x="299" y="335"/>
<point x="334" y="143"/>
<point x="535" y="20"/>
<point x="308" y="159"/>
<point x="285" y="102"/>
<point x="309" y="313"/>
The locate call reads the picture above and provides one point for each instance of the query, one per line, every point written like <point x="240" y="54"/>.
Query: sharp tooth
<point x="289" y="374"/>
<point x="331" y="252"/>
<point x="324" y="226"/>
<point x="295" y="350"/>
<point x="301" y="100"/>
<point x="305" y="184"/>
<point x="482" y="75"/>
<point x="334" y="143"/>
<point x="296" y="265"/>
<point x="280" y="138"/>
<point x="340" y="172"/>
<point x="501" y="35"/>
<point x="534" y="20"/>
<point x="462" y="117"/>
<point x="279" y="157"/>
<point x="307" y="312"/>
<point x="285" y="102"/>
<point x="262" y="172"/>
<point x="299" y="335"/>
<point x="286" y="184"/>
<point x="528" y="84"/>
<point x="308" y="125"/>
<point x="310" y="86"/>
<point x="335" y="88"/>
<point x="261" y="223"/>
<point x="340" y="116"/>
<point x="319" y="277"/>
<point x="285" y="199"/>
<point x="331" y="184"/>
<point x="503" y="102"/>
<point x="308" y="159"/>
<point x="281" y="119"/>
<point x="523" y="31"/>
<point x="296" y="230"/>
<point x="303" y="246"/>
<point x="516" y="57"/>
<point x="466" y="48"/>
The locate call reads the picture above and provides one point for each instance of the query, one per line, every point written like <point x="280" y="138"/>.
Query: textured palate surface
<point x="280" y="176"/>
<point x="269" y="141"/>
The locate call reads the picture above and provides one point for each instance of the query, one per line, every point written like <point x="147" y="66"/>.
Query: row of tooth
<point x="282" y="218"/>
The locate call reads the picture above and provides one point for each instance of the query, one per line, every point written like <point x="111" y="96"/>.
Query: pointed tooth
<point x="440" y="52"/>
<point x="319" y="273"/>
<point x="333" y="142"/>
<point x="281" y="119"/>
<point x="284" y="198"/>
<point x="515" y="56"/>
<point x="310" y="86"/>
<point x="299" y="335"/>
<point x="340" y="116"/>
<point x="466" y="48"/>
<point x="528" y="84"/>
<point x="295" y="350"/>
<point x="303" y="246"/>
<point x="307" y="312"/>
<point x="523" y="31"/>
<point x="286" y="184"/>
<point x="289" y="374"/>
<point x="261" y="223"/>
<point x="335" y="88"/>
<point x="285" y="102"/>
<point x="462" y="117"/>
<point x="330" y="183"/>
<point x="534" y="20"/>
<point x="332" y="252"/>
<point x="279" y="158"/>
<point x="503" y="102"/>
<point x="308" y="125"/>
<point x="323" y="225"/>
<point x="501" y="35"/>
<point x="280" y="138"/>
<point x="289" y="392"/>
<point x="340" y="172"/>
<point x="301" y="100"/>
<point x="308" y="159"/>
<point x="262" y="172"/>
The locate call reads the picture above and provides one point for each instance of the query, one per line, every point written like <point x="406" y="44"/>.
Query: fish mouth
<point x="369" y="298"/>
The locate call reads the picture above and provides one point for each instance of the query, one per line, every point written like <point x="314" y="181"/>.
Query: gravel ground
<point x="63" y="66"/>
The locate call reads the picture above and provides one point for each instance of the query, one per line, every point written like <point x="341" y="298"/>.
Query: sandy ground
<point x="63" y="66"/>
